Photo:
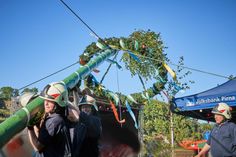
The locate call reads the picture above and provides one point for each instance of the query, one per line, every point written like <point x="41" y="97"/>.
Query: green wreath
<point x="148" y="49"/>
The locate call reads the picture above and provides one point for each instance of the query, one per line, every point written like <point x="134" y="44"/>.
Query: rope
<point x="96" y="35"/>
<point x="201" y="71"/>
<point x="141" y="80"/>
<point x="108" y="69"/>
<point x="48" y="76"/>
<point x="185" y="67"/>
<point x="118" y="88"/>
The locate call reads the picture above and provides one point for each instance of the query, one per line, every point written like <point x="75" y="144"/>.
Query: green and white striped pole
<point x="20" y="119"/>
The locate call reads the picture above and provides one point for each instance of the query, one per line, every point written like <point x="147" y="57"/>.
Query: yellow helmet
<point x="56" y="92"/>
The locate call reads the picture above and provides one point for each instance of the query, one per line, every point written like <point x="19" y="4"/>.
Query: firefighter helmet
<point x="88" y="100"/>
<point x="56" y="92"/>
<point x="222" y="109"/>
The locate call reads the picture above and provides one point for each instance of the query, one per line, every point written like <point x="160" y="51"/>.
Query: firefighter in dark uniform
<point x="88" y="130"/>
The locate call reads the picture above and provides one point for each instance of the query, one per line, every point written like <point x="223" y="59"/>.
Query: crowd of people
<point x="71" y="128"/>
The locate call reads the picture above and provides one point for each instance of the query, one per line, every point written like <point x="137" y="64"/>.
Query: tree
<point x="34" y="90"/>
<point x="157" y="118"/>
<point x="7" y="92"/>
<point x="156" y="128"/>
<point x="4" y="113"/>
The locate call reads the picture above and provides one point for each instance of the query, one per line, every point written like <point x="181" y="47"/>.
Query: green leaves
<point x="143" y="56"/>
<point x="146" y="45"/>
<point x="7" y="92"/>
<point x="4" y="113"/>
<point x="156" y="123"/>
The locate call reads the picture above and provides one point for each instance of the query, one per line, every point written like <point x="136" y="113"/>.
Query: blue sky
<point x="38" y="38"/>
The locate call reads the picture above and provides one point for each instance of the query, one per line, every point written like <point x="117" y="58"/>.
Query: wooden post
<point x="172" y="134"/>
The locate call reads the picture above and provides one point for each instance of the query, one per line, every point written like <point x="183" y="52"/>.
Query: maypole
<point x="20" y="119"/>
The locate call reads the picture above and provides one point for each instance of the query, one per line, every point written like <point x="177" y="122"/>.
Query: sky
<point x="38" y="38"/>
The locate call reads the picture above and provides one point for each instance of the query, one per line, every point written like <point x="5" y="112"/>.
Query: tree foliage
<point x="6" y="95"/>
<point x="146" y="45"/>
<point x="7" y="92"/>
<point x="156" y="125"/>
<point x="143" y="55"/>
<point x="157" y="118"/>
<point x="33" y="90"/>
<point x="4" y="113"/>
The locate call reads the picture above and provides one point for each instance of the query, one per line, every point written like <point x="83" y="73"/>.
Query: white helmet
<point x="26" y="97"/>
<point x="222" y="109"/>
<point x="88" y="100"/>
<point x="56" y="92"/>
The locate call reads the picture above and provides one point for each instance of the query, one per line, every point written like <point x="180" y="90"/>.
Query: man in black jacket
<point x="89" y="128"/>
